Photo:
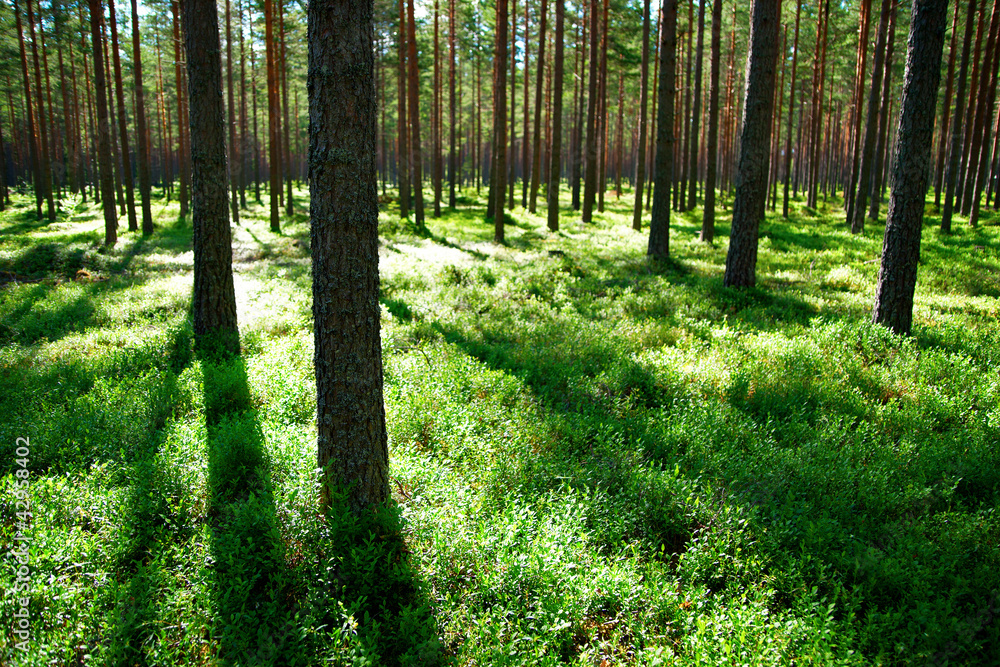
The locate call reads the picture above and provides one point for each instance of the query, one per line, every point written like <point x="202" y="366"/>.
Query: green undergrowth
<point x="595" y="458"/>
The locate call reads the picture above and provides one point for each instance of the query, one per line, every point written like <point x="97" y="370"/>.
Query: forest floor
<point x="595" y="459"/>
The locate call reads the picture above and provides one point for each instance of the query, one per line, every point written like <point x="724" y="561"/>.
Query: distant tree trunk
<point x="640" y="162"/>
<point x="970" y="117"/>
<point x="69" y="131"/>
<point x="602" y="113"/>
<point x="166" y="138"/>
<point x="413" y="89"/>
<point x="578" y="105"/>
<point x="859" y="86"/>
<point x="684" y="121"/>
<point x="696" y="114"/>
<point x="883" y="121"/>
<point x="897" y="276"/>
<point x="436" y="116"/>
<point x="499" y="172"/>
<point x="984" y="115"/>
<point x="815" y="157"/>
<point x="779" y="95"/>
<point x="402" y="141"/>
<point x="555" y="167"/>
<point x="352" y="445"/>
<point x="590" y="179"/>
<point x="982" y="145"/>
<point x="708" y="220"/>
<point x="214" y="300"/>
<point x="133" y="224"/>
<point x="945" y="126"/>
<point x="281" y="75"/>
<point x="654" y="93"/>
<point x="955" y="152"/>
<point x="863" y="185"/>
<point x="659" y="225"/>
<point x="103" y="127"/>
<point x="452" y="166"/>
<point x="755" y="143"/>
<point x="511" y="154"/>
<point x="234" y="160"/>
<point x="525" y="165"/>
<point x="30" y="113"/>
<point x="45" y="167"/>
<point x="273" y="133"/>
<point x="142" y="134"/>
<point x="256" y="135"/>
<point x="240" y="177"/>
<point x="183" y="147"/>
<point x="536" y="151"/>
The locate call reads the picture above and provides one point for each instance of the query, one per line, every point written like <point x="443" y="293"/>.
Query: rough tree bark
<point x="897" y="276"/>
<point x="352" y="446"/>
<point x="755" y="143"/>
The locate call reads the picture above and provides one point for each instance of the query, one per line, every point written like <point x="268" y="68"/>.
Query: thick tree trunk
<point x="897" y="276"/>
<point x="352" y="445"/>
<point x="213" y="306"/>
<point x="659" y="225"/>
<point x="708" y="219"/>
<point x="755" y="143"/>
<point x="555" y="167"/>
<point x="103" y="127"/>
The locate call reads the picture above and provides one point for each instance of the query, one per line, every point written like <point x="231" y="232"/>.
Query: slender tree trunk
<point x="525" y="165"/>
<point x="590" y="179"/>
<point x="696" y="114"/>
<point x="755" y="143"/>
<point x="45" y="167"/>
<point x="234" y="160"/>
<point x="103" y="127"/>
<point x="859" y="87"/>
<point x="897" y="276"/>
<point x="436" y="117"/>
<point x="943" y="135"/>
<point x="498" y="174"/>
<point x="708" y="219"/>
<point x="984" y="117"/>
<point x="883" y="121"/>
<point x="776" y="124"/>
<point x="133" y="224"/>
<point x="142" y="134"/>
<point x="981" y="145"/>
<point x="602" y="114"/>
<point x="640" y="162"/>
<point x="183" y="152"/>
<point x="452" y="175"/>
<point x="536" y="137"/>
<point x="555" y="167"/>
<point x="30" y="113"/>
<point x="654" y="94"/>
<point x="273" y="133"/>
<point x="659" y="225"/>
<point x="402" y="125"/>
<point x="413" y="89"/>
<point x="69" y="130"/>
<point x="957" y="128"/>
<point x="857" y="223"/>
<point x="281" y="76"/>
<point x="256" y="135"/>
<point x="240" y="177"/>
<point x="512" y="154"/>
<point x="970" y="118"/>
<point x="578" y="106"/>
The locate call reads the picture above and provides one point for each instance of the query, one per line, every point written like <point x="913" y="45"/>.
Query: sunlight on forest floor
<point x="595" y="458"/>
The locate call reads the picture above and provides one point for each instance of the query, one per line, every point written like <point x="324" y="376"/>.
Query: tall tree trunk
<point x="45" y="167"/>
<point x="525" y="166"/>
<point x="640" y="162"/>
<point x="183" y="149"/>
<point x="970" y="117"/>
<point x="103" y="127"/>
<point x="240" y="177"/>
<point x="536" y="151"/>
<point x="498" y="174"/>
<point x="273" y="133"/>
<point x="133" y="224"/>
<point x="402" y="125"/>
<point x="555" y="167"/>
<point x="234" y="153"/>
<point x="511" y="155"/>
<point x="213" y="307"/>
<point x="281" y="75"/>
<point x="578" y="105"/>
<point x="602" y="114"/>
<point x="696" y="114"/>
<point x="981" y="144"/>
<point x="659" y="224"/>
<point x="857" y="223"/>
<point x="413" y="89"/>
<point x="69" y="128"/>
<point x="352" y="446"/>
<point x="452" y="166"/>
<point x="755" y="143"/>
<point x="654" y="94"/>
<point x="590" y="179"/>
<point x="36" y="162"/>
<point x="883" y="121"/>
<point x="776" y="123"/>
<point x="943" y="135"/>
<point x="859" y="86"/>
<point x="253" y="88"/>
<point x="957" y="128"/>
<point x="708" y="219"/>
<point x="142" y="133"/>
<point x="436" y="117"/>
<point x="897" y="276"/>
<point x="984" y="118"/>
